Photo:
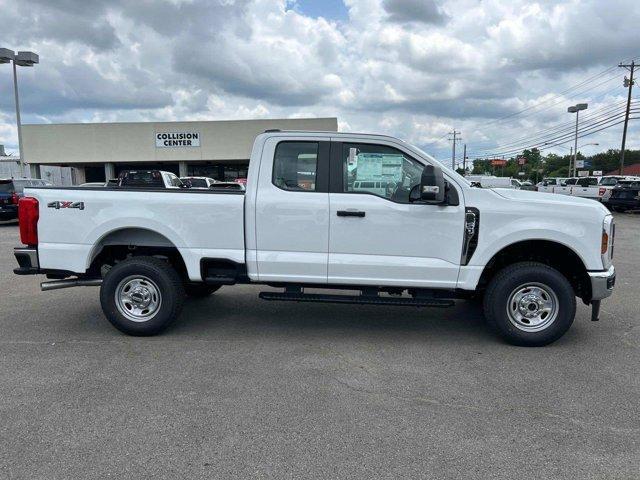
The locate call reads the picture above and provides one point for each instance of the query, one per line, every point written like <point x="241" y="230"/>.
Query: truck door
<point x="292" y="210"/>
<point x="377" y="237"/>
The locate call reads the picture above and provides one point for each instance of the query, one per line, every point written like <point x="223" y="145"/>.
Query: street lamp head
<point x="572" y="109"/>
<point x="582" y="106"/>
<point x="27" y="59"/>
<point x="6" y="55"/>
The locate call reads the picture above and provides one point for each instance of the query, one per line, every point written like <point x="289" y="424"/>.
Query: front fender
<point x="581" y="237"/>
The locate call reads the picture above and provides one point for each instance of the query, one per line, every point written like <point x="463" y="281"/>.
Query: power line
<point x="538" y="106"/>
<point x="567" y="90"/>
<point x="558" y="125"/>
<point x="436" y="140"/>
<point x="563" y="138"/>
<point x="556" y="96"/>
<point x="557" y="129"/>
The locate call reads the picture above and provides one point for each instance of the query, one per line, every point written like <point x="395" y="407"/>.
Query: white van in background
<point x="491" y="181"/>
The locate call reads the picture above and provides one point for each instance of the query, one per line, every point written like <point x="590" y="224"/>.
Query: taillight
<point x="604" y="245"/>
<point x="14" y="198"/>
<point x="28" y="214"/>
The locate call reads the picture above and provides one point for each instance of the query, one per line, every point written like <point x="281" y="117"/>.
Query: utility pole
<point x="628" y="82"/>
<point x="454" y="139"/>
<point x="464" y="160"/>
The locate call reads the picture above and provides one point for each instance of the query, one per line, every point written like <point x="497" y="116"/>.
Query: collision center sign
<point x="177" y="139"/>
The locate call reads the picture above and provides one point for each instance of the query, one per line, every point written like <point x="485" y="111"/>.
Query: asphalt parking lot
<point x="241" y="388"/>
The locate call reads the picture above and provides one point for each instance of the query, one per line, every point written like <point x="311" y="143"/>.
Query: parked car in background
<point x="608" y="182"/>
<point x="238" y="187"/>
<point x="198" y="182"/>
<point x="547" y="185"/>
<point x="527" y="185"/>
<point x="625" y="196"/>
<point x="565" y="186"/>
<point x="586" y="187"/>
<point x="149" y="179"/>
<point x="11" y="189"/>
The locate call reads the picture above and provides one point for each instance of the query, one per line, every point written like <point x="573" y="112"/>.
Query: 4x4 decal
<point x="59" y="205"/>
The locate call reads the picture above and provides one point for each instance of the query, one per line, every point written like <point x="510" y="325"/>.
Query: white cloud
<point x="412" y="69"/>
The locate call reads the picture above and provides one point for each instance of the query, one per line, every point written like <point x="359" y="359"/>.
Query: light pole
<point x="571" y="150"/>
<point x="22" y="59"/>
<point x="576" y="109"/>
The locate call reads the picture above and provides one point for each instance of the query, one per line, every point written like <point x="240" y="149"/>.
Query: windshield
<point x="628" y="184"/>
<point x="608" y="181"/>
<point x="587" y="182"/>
<point x="197" y="182"/>
<point x="6" y="186"/>
<point x="148" y="178"/>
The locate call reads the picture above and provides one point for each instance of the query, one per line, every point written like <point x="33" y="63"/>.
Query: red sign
<point x="522" y="161"/>
<point x="497" y="162"/>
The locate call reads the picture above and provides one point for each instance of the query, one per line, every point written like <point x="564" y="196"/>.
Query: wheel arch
<point x="125" y="242"/>
<point x="550" y="252"/>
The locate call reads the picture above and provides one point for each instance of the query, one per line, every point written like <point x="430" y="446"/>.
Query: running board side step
<point x="361" y="299"/>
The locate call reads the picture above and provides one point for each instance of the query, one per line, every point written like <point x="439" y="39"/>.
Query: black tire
<point x="165" y="282"/>
<point x="510" y="280"/>
<point x="200" y="290"/>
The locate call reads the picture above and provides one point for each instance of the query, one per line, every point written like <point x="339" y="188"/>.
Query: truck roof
<point x="334" y="134"/>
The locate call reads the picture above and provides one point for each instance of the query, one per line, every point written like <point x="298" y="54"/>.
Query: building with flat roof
<point x="99" y="151"/>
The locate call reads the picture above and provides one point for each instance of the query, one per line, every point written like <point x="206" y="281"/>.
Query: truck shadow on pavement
<point x="235" y="312"/>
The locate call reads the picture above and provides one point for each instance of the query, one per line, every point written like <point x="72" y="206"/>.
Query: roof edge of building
<point x="248" y="120"/>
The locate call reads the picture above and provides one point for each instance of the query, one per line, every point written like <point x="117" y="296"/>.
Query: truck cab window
<point x="379" y="170"/>
<point x="295" y="166"/>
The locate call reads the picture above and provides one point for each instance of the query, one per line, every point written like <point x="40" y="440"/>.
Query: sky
<point x="500" y="72"/>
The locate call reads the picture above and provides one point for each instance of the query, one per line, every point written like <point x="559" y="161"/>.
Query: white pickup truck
<point x="425" y="240"/>
<point x="598" y="188"/>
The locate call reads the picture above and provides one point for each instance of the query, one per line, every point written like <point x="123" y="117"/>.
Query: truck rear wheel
<point x="530" y="304"/>
<point x="142" y="295"/>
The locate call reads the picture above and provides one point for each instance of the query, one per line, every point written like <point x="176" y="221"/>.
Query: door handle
<point x="350" y="213"/>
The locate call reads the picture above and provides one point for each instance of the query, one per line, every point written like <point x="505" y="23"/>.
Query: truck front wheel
<point x="530" y="304"/>
<point x="142" y="295"/>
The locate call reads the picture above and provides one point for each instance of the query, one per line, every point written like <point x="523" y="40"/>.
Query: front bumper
<point x="602" y="283"/>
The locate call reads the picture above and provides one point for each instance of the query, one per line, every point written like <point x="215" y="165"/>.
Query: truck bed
<point x="76" y="223"/>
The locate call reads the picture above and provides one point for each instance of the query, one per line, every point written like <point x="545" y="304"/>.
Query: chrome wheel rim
<point x="532" y="307"/>
<point x="138" y="298"/>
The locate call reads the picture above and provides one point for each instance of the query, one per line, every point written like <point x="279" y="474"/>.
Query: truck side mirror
<point x="432" y="189"/>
